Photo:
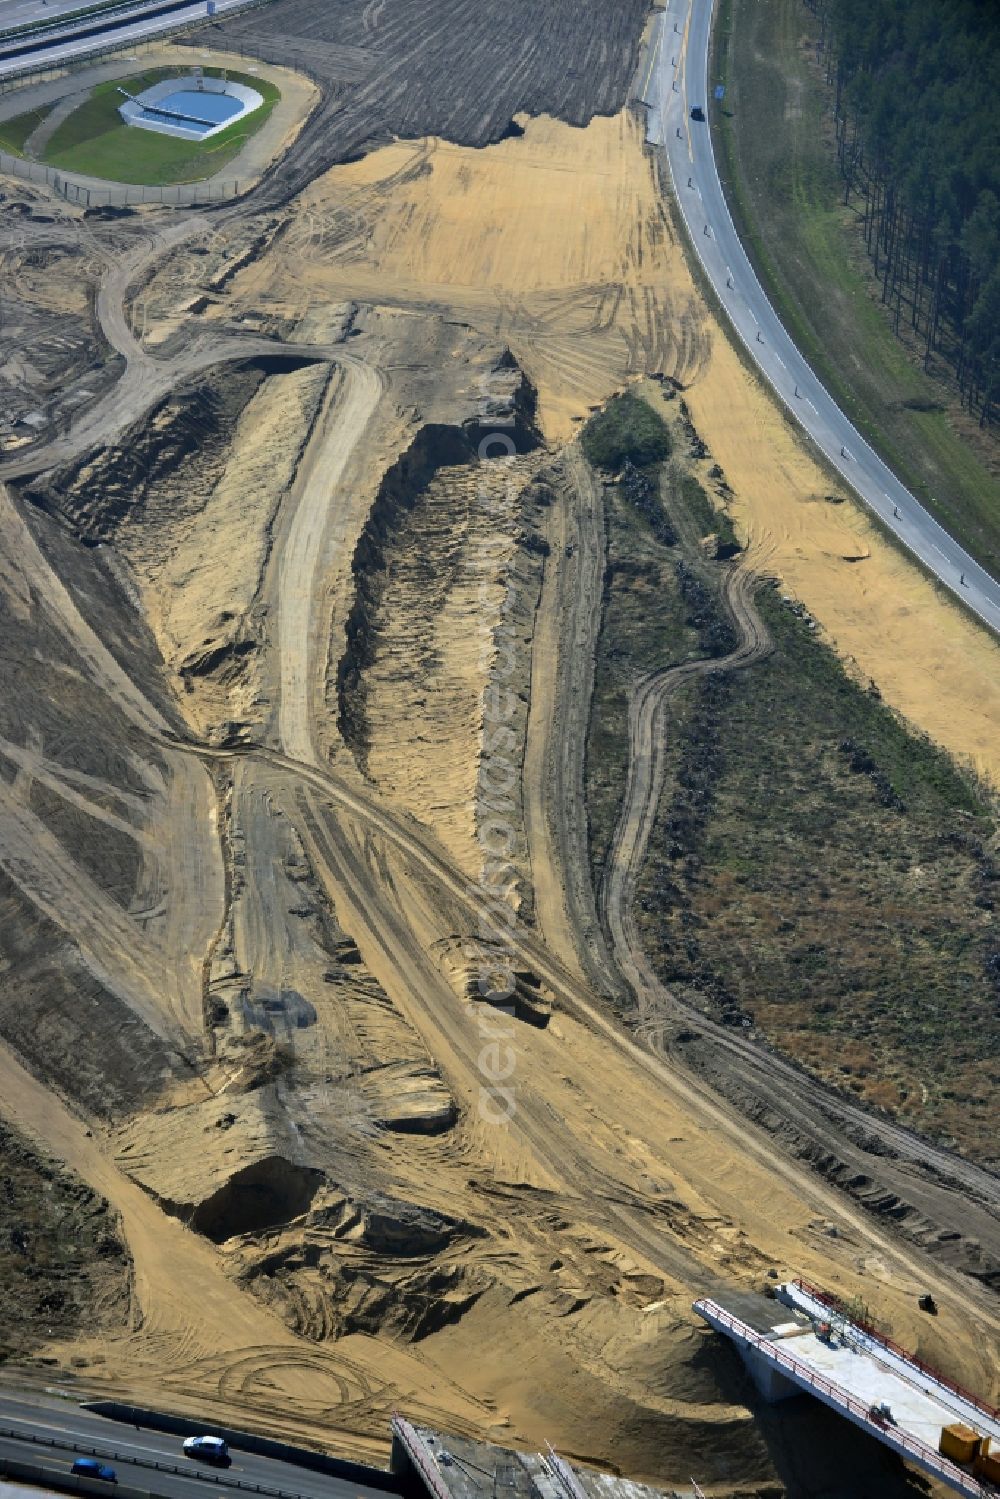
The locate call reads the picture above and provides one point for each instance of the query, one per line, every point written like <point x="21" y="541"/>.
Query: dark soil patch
<point x="63" y="1266"/>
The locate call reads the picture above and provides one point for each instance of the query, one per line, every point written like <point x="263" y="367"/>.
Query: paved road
<point x="23" y="12"/>
<point x="131" y="1452"/>
<point x="676" y="80"/>
<point x="126" y="33"/>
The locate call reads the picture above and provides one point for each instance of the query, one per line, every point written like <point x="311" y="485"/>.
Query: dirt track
<point x="339" y="429"/>
<point x="310" y="922"/>
<point x="567" y="624"/>
<point x="648" y="732"/>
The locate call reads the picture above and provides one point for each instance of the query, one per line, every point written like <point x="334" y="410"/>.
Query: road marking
<point x="652" y="64"/>
<point x="938" y="550"/>
<point x="683" y="71"/>
<point x="811" y="406"/>
<point x="781" y="361"/>
<point x="751" y="312"/>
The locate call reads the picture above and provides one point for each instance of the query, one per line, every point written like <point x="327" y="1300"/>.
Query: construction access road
<point x="303" y="871"/>
<point x="676" y="81"/>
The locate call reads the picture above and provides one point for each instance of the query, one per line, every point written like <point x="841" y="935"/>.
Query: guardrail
<point x="68" y="19"/>
<point x="413" y="1445"/>
<point x="247" y="1441"/>
<point x="70" y="1483"/>
<point x="828" y="1299"/>
<point x="33" y="73"/>
<point x="108" y="1455"/>
<point x="840" y="1398"/>
<point x="55" y="31"/>
<point x="572" y="1485"/>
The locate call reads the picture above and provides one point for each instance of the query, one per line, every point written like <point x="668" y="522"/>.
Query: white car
<point x="208" y="1449"/>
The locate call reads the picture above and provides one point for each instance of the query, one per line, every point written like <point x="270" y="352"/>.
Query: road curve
<point x="676" y="80"/>
<point x="646" y="771"/>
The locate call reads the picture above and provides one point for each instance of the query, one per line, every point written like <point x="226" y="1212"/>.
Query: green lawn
<point x="96" y="142"/>
<point x="14" y="133"/>
<point x="787" y="199"/>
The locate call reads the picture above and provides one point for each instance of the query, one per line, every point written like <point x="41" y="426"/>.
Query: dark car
<point x="89" y="1467"/>
<point x="698" y="113"/>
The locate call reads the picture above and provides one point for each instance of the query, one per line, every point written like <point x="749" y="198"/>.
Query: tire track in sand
<point x="646" y="773"/>
<point x="347" y="409"/>
<point x="566" y="630"/>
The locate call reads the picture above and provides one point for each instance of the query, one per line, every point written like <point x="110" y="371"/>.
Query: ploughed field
<point x="406" y="70"/>
<point x="412" y="777"/>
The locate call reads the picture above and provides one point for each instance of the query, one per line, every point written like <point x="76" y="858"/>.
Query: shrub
<point x="627" y="430"/>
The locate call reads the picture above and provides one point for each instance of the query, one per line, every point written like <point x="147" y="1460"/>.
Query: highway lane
<point x="676" y="80"/>
<point x="128" y="33"/>
<point x="130" y="1451"/>
<point x="24" y="12"/>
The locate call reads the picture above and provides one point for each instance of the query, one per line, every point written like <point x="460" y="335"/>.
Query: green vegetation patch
<point x="660" y="609"/>
<point x="777" y="156"/>
<point x="628" y="430"/>
<point x="643" y="628"/>
<point x="818" y="870"/>
<point x="821" y="871"/>
<point x="709" y="519"/>
<point x="15" y="132"/>
<point x="96" y="142"/>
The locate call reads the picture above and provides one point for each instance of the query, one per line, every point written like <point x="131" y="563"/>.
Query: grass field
<point x="14" y="133"/>
<point x="787" y="199"/>
<point x="647" y="621"/>
<point x="818" y="867"/>
<point x="95" y="141"/>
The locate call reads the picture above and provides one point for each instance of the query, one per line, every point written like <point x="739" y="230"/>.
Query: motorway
<point x="676" y="80"/>
<point x="128" y="33"/>
<point x="59" y="1424"/>
<point x="24" y="12"/>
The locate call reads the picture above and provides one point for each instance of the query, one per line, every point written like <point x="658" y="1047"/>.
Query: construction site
<point x="929" y="1420"/>
<point x="497" y="847"/>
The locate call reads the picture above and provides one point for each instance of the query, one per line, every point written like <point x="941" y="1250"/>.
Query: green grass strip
<point x="786" y="196"/>
<point x="96" y="142"/>
<point x="14" y="133"/>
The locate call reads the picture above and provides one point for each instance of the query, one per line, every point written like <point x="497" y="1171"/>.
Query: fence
<point x="839" y="1398"/>
<point x="246" y="1441"/>
<point x="107" y="1454"/>
<point x="118" y="195"/>
<point x="827" y="1299"/>
<point x="103" y="48"/>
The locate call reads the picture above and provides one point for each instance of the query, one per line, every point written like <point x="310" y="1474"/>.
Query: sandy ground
<point x="559" y="238"/>
<point x="562" y="1245"/>
<point x="927" y="657"/>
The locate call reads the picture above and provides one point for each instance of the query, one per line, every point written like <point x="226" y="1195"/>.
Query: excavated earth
<point x="305" y="972"/>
